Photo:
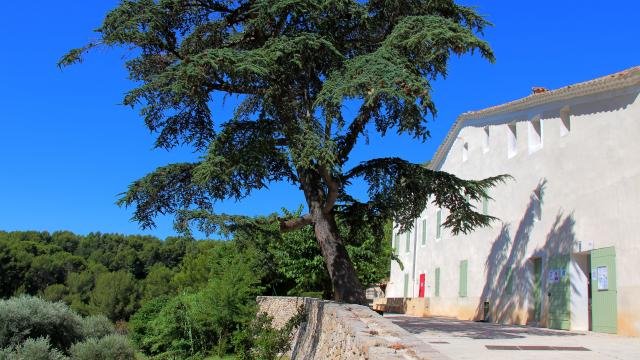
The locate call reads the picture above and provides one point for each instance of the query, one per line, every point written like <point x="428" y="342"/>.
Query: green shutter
<point x="437" y="291"/>
<point x="406" y="285"/>
<point x="396" y="244"/>
<point x="438" y="224"/>
<point x="509" y="281"/>
<point x="485" y="205"/>
<point x="424" y="232"/>
<point x="408" y="244"/>
<point x="463" y="278"/>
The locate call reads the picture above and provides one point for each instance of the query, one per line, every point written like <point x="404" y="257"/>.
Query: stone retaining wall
<point x="344" y="331"/>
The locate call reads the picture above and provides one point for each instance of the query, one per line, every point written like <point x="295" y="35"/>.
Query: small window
<point x="536" y="200"/>
<point x="465" y="152"/>
<point x="535" y="135"/>
<point x="424" y="231"/>
<point x="512" y="140"/>
<point x="408" y="242"/>
<point x="485" y="139"/>
<point x="485" y="205"/>
<point x="565" y="121"/>
<point x="509" y="282"/>
<point x="396" y="243"/>
<point x="438" y="224"/>
<point x="406" y="285"/>
<point x="462" y="292"/>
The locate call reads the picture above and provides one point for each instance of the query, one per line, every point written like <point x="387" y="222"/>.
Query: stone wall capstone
<point x="344" y="331"/>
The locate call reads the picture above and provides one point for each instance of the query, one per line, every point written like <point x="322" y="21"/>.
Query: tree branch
<point x="287" y="225"/>
<point x="355" y="129"/>
<point x="333" y="187"/>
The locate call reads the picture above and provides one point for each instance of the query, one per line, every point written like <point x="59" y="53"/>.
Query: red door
<point x="422" y="281"/>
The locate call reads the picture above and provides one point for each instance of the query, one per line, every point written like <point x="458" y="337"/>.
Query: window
<point x="406" y="285"/>
<point x="465" y="152"/>
<point x="408" y="242"/>
<point x="485" y="205"/>
<point x="536" y="200"/>
<point x="485" y="139"/>
<point x="463" y="278"/>
<point x="565" y="121"/>
<point x="437" y="282"/>
<point x="396" y="243"/>
<point x="509" y="282"/>
<point x="424" y="232"/>
<point x="512" y="140"/>
<point x="438" y="224"/>
<point x="535" y="135"/>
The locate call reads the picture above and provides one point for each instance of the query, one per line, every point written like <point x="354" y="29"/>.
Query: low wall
<point x="344" y="331"/>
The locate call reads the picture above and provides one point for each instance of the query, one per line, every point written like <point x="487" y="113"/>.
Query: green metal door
<point x="537" y="287"/>
<point x="559" y="292"/>
<point x="604" y="307"/>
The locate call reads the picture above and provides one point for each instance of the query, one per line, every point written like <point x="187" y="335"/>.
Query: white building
<point x="566" y="251"/>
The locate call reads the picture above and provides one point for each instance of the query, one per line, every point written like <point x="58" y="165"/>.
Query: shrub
<point x="110" y="347"/>
<point x="261" y="341"/>
<point x="28" y="317"/>
<point x="97" y="326"/>
<point x="32" y="349"/>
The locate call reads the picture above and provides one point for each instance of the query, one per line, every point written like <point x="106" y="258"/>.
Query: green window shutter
<point x="509" y="280"/>
<point x="406" y="285"/>
<point x="438" y="224"/>
<point x="424" y="232"/>
<point x="437" y="290"/>
<point x="463" y="278"/>
<point x="396" y="244"/>
<point x="485" y="205"/>
<point x="408" y="244"/>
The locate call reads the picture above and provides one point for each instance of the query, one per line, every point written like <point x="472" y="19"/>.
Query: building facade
<point x="565" y="252"/>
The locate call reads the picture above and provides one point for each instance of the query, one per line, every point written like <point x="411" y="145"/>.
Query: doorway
<point x="604" y="309"/>
<point x="422" y="285"/>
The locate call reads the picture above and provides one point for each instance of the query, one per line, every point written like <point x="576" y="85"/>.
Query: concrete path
<point x="474" y="340"/>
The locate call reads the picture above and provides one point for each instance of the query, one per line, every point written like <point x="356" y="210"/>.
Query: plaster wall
<point x="588" y="182"/>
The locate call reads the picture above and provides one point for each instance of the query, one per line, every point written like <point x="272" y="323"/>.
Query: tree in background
<point x="294" y="64"/>
<point x="115" y="295"/>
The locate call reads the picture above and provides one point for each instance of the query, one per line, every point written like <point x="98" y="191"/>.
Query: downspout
<point x="415" y="248"/>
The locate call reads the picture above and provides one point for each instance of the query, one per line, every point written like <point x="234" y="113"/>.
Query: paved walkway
<point x="474" y="340"/>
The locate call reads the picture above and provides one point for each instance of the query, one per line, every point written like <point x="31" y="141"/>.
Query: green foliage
<point x="97" y="326"/>
<point x="142" y="329"/>
<point x="27" y="317"/>
<point x="296" y="63"/>
<point x="110" y="347"/>
<point x="55" y="292"/>
<point x="158" y="283"/>
<point x="202" y="321"/>
<point x="115" y="295"/>
<point x="261" y="341"/>
<point x="32" y="349"/>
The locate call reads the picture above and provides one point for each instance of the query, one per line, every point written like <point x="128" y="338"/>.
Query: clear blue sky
<point x="67" y="146"/>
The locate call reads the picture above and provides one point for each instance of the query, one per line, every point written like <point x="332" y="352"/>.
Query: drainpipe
<point x="415" y="247"/>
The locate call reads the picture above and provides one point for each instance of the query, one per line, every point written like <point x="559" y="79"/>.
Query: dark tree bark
<point x="344" y="280"/>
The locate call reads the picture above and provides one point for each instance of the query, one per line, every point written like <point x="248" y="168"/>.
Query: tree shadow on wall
<point x="510" y="280"/>
<point x="506" y="263"/>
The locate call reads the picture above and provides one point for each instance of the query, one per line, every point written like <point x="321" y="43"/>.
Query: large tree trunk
<point x="346" y="286"/>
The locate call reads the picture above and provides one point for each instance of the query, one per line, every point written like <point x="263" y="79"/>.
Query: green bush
<point x="202" y="323"/>
<point x="261" y="341"/>
<point x="28" y="317"/>
<point x="32" y="349"/>
<point x="97" y="326"/>
<point x="111" y="347"/>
